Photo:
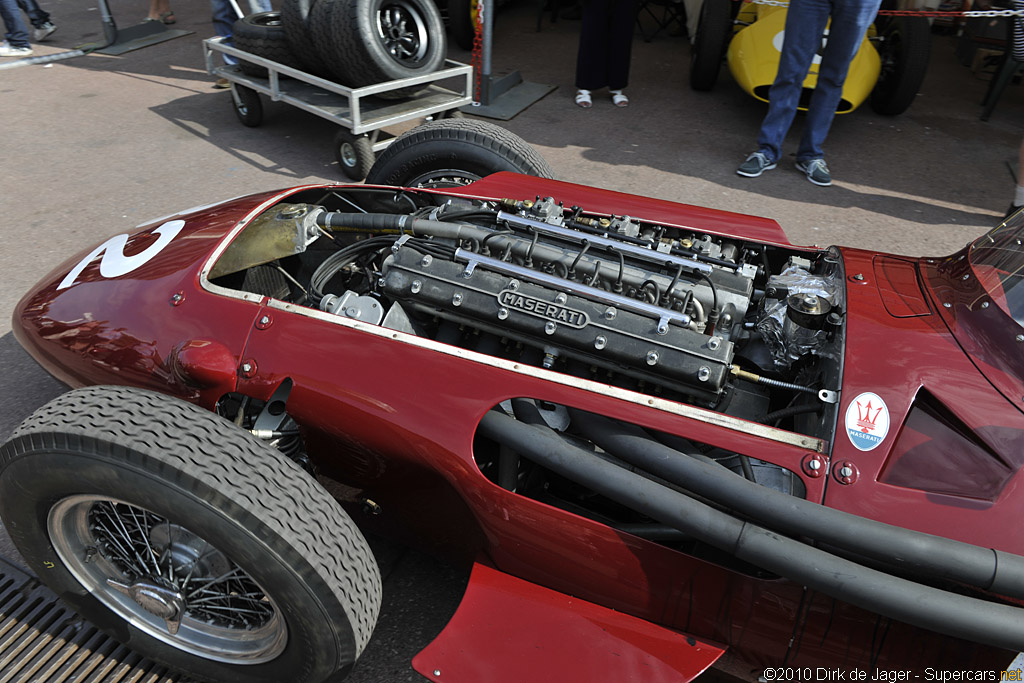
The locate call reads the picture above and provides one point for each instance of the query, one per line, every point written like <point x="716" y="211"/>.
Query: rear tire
<point x="710" y="43"/>
<point x="905" y="52"/>
<point x="164" y="499"/>
<point x="455" y="152"/>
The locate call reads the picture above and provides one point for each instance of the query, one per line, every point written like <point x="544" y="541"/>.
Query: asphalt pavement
<point x="95" y="145"/>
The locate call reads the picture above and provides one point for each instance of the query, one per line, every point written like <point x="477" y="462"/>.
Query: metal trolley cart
<point x="360" y="115"/>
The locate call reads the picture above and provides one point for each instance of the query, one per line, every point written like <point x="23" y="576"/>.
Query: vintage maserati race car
<point x="889" y="67"/>
<point x="662" y="435"/>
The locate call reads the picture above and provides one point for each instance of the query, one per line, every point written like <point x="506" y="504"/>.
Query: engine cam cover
<point x="603" y="335"/>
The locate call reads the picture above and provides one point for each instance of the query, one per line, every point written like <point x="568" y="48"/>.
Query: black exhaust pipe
<point x="937" y="610"/>
<point x="908" y="551"/>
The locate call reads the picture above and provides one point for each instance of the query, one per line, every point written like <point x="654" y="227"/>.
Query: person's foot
<point x="13" y="51"/>
<point x="222" y="84"/>
<point x="41" y="32"/>
<point x="816" y="171"/>
<point x="756" y="164"/>
<point x="619" y="98"/>
<point x="583" y="99"/>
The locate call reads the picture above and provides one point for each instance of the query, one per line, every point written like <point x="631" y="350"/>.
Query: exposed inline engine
<point x="740" y="327"/>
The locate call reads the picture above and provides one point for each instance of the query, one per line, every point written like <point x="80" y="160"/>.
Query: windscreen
<point x="998" y="260"/>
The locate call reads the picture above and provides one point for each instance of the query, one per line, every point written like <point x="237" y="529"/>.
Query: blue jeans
<point x="805" y="25"/>
<point x="17" y="32"/>
<point x="36" y="14"/>
<point x="224" y="18"/>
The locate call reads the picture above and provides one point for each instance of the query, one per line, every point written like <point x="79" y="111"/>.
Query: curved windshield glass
<point x="998" y="260"/>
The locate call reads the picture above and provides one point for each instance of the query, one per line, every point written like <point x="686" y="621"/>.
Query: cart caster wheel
<point x="354" y="153"/>
<point x="451" y="114"/>
<point x="248" y="107"/>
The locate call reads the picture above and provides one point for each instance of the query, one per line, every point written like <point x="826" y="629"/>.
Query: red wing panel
<point x="508" y="630"/>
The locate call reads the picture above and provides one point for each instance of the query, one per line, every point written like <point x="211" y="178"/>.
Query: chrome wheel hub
<point x="166" y="580"/>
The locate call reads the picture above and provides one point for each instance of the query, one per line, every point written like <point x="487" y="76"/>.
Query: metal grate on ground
<point x="44" y="641"/>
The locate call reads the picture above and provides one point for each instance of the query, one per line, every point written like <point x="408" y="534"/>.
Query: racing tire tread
<point x="320" y="21"/>
<point x="253" y="35"/>
<point x="214" y="460"/>
<point x="295" y="19"/>
<point x="412" y="152"/>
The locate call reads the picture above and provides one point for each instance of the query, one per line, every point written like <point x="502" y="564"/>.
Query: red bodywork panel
<point x="519" y="628"/>
<point x="396" y="417"/>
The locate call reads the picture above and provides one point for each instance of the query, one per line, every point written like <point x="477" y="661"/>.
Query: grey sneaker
<point x="816" y="170"/>
<point x="756" y="164"/>
<point x="42" y="31"/>
<point x="12" y="51"/>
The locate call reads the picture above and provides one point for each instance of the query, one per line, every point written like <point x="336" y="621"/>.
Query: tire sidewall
<point x="434" y="27"/>
<point x="315" y="648"/>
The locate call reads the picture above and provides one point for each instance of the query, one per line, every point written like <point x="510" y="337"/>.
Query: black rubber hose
<point x="956" y="615"/>
<point x="909" y="551"/>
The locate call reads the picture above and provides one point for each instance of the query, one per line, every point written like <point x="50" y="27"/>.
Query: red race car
<point x="662" y="435"/>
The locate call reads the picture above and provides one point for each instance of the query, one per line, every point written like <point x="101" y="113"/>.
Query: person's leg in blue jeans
<point x="17" y="32"/>
<point x="850" y="21"/>
<point x="35" y="13"/>
<point x="805" y="25"/>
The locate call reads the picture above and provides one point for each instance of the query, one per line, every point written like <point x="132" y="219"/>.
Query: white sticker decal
<point x="114" y="263"/>
<point x="867" y="421"/>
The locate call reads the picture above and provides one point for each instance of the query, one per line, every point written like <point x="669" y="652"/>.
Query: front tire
<point x="454" y="152"/>
<point x="188" y="539"/>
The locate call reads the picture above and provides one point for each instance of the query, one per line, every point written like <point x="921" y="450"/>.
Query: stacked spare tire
<point x="352" y="42"/>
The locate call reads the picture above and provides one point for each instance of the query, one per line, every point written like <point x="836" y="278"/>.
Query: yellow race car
<point x="888" y="68"/>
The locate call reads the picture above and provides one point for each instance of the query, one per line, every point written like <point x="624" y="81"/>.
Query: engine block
<point x="654" y="345"/>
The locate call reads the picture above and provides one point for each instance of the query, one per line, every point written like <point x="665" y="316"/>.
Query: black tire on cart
<point x="263" y="35"/>
<point x="295" y="19"/>
<point x="320" y="19"/>
<point x="130" y="504"/>
<point x="248" y="107"/>
<point x="454" y="152"/>
<point x="905" y="50"/>
<point x="385" y="40"/>
<point x="461" y="22"/>
<point x="354" y="154"/>
<point x="710" y="43"/>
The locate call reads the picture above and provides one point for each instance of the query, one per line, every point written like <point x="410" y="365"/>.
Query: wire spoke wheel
<point x="166" y="580"/>
<point x="444" y="177"/>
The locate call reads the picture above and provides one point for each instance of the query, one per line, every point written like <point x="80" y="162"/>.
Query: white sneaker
<point x="11" y="51"/>
<point x="41" y="32"/>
